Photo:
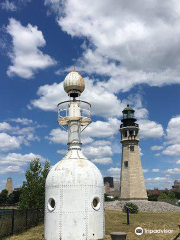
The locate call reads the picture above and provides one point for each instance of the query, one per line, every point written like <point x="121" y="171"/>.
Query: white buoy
<point x="74" y="204"/>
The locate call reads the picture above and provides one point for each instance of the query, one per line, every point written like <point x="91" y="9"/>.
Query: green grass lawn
<point x="116" y="222"/>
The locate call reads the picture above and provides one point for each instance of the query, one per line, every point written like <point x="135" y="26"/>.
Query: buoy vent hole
<point x="51" y="204"/>
<point x="96" y="203"/>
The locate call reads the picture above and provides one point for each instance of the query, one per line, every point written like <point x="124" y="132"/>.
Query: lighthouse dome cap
<point x="74" y="82"/>
<point x="128" y="108"/>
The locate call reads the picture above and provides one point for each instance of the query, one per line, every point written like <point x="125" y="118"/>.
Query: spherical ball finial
<point x="74" y="84"/>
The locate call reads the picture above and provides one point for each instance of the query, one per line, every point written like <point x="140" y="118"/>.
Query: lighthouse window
<point x="96" y="203"/>
<point x="132" y="148"/>
<point x="51" y="204"/>
<point x="126" y="164"/>
<point x="125" y="133"/>
<point x="130" y="132"/>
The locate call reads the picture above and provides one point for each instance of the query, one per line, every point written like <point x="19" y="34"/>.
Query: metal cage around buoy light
<point x="64" y="116"/>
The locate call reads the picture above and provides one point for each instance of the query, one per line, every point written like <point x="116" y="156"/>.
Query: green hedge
<point x="133" y="208"/>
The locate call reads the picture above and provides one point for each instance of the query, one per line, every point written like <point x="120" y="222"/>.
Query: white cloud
<point x="158" y="154"/>
<point x="172" y="137"/>
<point x="173" y="130"/>
<point x="159" y="179"/>
<point x="23" y="121"/>
<point x="116" y="147"/>
<point x="155" y="170"/>
<point x="62" y="151"/>
<point x="156" y="148"/>
<point x="13" y="5"/>
<point x="11" y="169"/>
<point x="8" y="6"/>
<point x="150" y="129"/>
<point x="178" y="162"/>
<point x="26" y="58"/>
<point x="98" y="129"/>
<point x="113" y="170"/>
<point x="102" y="161"/>
<point x="121" y="35"/>
<point x="173" y="150"/>
<point x="101" y="143"/>
<point x="98" y="96"/>
<point x="101" y="129"/>
<point x="97" y="152"/>
<point x="8" y="142"/>
<point x="4" y="126"/>
<point x="24" y="136"/>
<point x="17" y="159"/>
<point x="101" y="154"/>
<point x="145" y="170"/>
<point x="22" y="131"/>
<point x="172" y="171"/>
<point x="140" y="150"/>
<point x="60" y="136"/>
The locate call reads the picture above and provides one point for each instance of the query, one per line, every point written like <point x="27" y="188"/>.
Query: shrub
<point x="133" y="208"/>
<point x="163" y="196"/>
<point x="177" y="195"/>
<point x="116" y="198"/>
<point x="167" y="196"/>
<point x="171" y="195"/>
<point x="107" y="199"/>
<point x="153" y="197"/>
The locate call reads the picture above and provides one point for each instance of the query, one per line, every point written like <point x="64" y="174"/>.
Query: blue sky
<point x="127" y="53"/>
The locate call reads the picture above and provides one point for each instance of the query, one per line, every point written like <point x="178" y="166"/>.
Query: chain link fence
<point x="13" y="221"/>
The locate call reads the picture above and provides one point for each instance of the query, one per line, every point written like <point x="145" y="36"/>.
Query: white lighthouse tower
<point x="74" y="204"/>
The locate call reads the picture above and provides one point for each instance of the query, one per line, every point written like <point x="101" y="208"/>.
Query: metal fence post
<point x="12" y="228"/>
<point x="127" y="215"/>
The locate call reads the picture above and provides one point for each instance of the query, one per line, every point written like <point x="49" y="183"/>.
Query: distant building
<point x="110" y="181"/>
<point x="9" y="186"/>
<point x="111" y="187"/>
<point x="17" y="189"/>
<point x="176" y="184"/>
<point x="158" y="191"/>
<point x="117" y="185"/>
<point x="106" y="188"/>
<point x="155" y="191"/>
<point x="116" y="190"/>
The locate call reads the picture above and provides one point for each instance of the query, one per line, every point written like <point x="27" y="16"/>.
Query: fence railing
<point x="13" y="221"/>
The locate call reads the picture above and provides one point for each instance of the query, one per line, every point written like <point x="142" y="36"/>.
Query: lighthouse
<point x="132" y="185"/>
<point x="74" y="201"/>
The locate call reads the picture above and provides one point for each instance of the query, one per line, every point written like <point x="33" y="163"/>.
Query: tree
<point x="153" y="197"/>
<point x="171" y="195"/>
<point x="3" y="196"/>
<point x="33" y="189"/>
<point x="13" y="198"/>
<point x="162" y="196"/>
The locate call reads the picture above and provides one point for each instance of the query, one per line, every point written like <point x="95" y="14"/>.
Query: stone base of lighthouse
<point x="132" y="180"/>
